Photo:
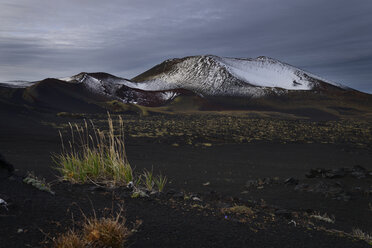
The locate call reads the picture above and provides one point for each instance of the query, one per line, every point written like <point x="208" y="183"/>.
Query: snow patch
<point x="17" y="84"/>
<point x="67" y="79"/>
<point x="266" y="73"/>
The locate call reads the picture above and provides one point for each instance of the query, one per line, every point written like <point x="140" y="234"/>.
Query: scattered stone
<point x="359" y="172"/>
<point x="301" y="187"/>
<point x="179" y="195"/>
<point x="336" y="173"/>
<point x="267" y="180"/>
<point x="259" y="183"/>
<point x="196" y="199"/>
<point x="223" y="205"/>
<point x="284" y="213"/>
<point x="251" y="183"/>
<point x="358" y="168"/>
<point x="314" y="172"/>
<point x="171" y="192"/>
<point x="292" y="222"/>
<point x="4" y="197"/>
<point x="96" y="188"/>
<point x="343" y="197"/>
<point x="334" y="190"/>
<point x="291" y="181"/>
<point x="3" y="204"/>
<point x="130" y="185"/>
<point x="212" y="192"/>
<point x="357" y="188"/>
<point x="6" y="165"/>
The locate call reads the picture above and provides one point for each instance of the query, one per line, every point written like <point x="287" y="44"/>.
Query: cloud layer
<point x="42" y="38"/>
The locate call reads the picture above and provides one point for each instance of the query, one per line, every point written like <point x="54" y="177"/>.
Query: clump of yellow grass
<point x="94" y="155"/>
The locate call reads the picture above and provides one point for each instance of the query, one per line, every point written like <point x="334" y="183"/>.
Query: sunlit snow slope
<point x="212" y="75"/>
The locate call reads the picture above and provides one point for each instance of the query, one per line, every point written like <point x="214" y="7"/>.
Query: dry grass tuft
<point x="105" y="232"/>
<point x="69" y="240"/>
<point x="97" y="233"/>
<point x="358" y="233"/>
<point x="238" y="209"/>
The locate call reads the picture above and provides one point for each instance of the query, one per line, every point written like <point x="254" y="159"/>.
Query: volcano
<point x="206" y="82"/>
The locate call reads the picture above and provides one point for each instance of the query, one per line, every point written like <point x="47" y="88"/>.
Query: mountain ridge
<point x="203" y="82"/>
<point x="230" y="76"/>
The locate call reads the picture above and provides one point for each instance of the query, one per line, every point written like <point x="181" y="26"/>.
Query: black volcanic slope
<point x="61" y="96"/>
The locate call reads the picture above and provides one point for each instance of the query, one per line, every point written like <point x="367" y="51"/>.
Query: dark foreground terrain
<point x="300" y="183"/>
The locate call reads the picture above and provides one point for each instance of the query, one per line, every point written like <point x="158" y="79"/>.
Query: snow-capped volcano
<point x="205" y="76"/>
<point x="218" y="76"/>
<point x="199" y="83"/>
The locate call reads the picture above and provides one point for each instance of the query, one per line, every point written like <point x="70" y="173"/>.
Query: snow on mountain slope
<point x="16" y="84"/>
<point x="200" y="74"/>
<point x="267" y="72"/>
<point x="203" y="75"/>
<point x="116" y="88"/>
<point x="106" y="85"/>
<point x="218" y="76"/>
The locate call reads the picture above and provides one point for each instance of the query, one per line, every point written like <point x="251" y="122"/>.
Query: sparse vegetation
<point x="160" y="182"/>
<point x="238" y="209"/>
<point x="235" y="127"/>
<point x="215" y="129"/>
<point x="38" y="183"/>
<point x="97" y="233"/>
<point x="96" y="155"/>
<point x="148" y="180"/>
<point x="70" y="115"/>
<point x="323" y="217"/>
<point x="358" y="233"/>
<point x="151" y="182"/>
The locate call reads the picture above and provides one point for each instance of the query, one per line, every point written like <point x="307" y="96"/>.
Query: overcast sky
<point x="45" y="38"/>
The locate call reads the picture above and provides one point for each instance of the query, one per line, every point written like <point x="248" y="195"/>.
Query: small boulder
<point x="251" y="183"/>
<point x="335" y="173"/>
<point x="359" y="172"/>
<point x="291" y="181"/>
<point x="3" y="204"/>
<point x="301" y="187"/>
<point x="284" y="213"/>
<point x="179" y="195"/>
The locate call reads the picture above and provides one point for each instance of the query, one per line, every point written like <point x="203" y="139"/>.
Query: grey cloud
<point x="125" y="38"/>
